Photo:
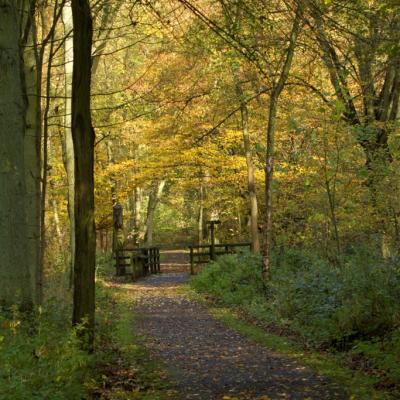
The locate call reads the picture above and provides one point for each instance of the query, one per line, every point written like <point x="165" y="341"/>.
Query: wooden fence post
<point x="158" y="269"/>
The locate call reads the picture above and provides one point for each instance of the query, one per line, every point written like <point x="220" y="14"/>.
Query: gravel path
<point x="210" y="361"/>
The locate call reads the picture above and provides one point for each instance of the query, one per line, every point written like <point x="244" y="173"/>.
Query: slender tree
<point x="32" y="143"/>
<point x="68" y="146"/>
<point x="154" y="198"/>
<point x="278" y="86"/>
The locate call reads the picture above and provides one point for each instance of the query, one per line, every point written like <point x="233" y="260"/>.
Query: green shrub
<point x="40" y="356"/>
<point x="234" y="279"/>
<point x="326" y="304"/>
<point x="353" y="307"/>
<point x="305" y="296"/>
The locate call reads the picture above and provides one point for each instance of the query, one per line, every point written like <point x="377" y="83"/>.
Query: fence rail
<point x="138" y="262"/>
<point x="197" y="256"/>
<point x="142" y="261"/>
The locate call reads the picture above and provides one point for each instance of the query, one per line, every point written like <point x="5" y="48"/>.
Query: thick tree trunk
<point x="83" y="139"/>
<point x="68" y="145"/>
<point x="15" y="282"/>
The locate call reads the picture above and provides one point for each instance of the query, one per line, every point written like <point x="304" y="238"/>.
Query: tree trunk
<point x="83" y="139"/>
<point x="44" y="178"/>
<point x="252" y="196"/>
<point x="255" y="239"/>
<point x="111" y="161"/>
<point x="330" y="187"/>
<point x="15" y="282"/>
<point x="134" y="221"/>
<point x="200" y="220"/>
<point x="68" y="146"/>
<point x="269" y="166"/>
<point x="154" y="197"/>
<point x="32" y="153"/>
<point x="57" y="224"/>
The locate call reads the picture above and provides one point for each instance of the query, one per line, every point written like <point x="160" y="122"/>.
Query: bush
<point x="327" y="305"/>
<point x="40" y="357"/>
<point x="354" y="307"/>
<point x="305" y="296"/>
<point x="234" y="279"/>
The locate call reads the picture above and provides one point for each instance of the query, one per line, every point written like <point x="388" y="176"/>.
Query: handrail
<point x="210" y="255"/>
<point x="204" y="246"/>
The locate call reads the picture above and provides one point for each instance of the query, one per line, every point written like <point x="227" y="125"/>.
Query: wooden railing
<point x="137" y="262"/>
<point x="144" y="261"/>
<point x="198" y="256"/>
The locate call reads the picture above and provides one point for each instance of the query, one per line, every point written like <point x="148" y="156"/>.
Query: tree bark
<point x="45" y="164"/>
<point x="270" y="139"/>
<point x="255" y="239"/>
<point x="111" y="161"/>
<point x="32" y="149"/>
<point x="251" y="187"/>
<point x="15" y="281"/>
<point x="154" y="198"/>
<point x="68" y="145"/>
<point x="200" y="218"/>
<point x="134" y="221"/>
<point x="83" y="139"/>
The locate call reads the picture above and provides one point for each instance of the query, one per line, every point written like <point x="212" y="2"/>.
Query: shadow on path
<point x="208" y="360"/>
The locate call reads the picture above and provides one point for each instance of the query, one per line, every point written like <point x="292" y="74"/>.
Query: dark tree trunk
<point x="15" y="282"/>
<point x="83" y="139"/>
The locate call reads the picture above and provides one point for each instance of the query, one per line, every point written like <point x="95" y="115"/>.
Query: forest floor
<point x="207" y="360"/>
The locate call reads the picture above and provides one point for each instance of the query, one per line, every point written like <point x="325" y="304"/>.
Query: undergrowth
<point x="124" y="367"/>
<point x="352" y="310"/>
<point x="40" y="356"/>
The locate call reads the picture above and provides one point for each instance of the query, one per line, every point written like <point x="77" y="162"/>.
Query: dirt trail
<point x="208" y="360"/>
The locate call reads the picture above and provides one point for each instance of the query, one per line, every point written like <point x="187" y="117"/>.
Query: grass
<point x="359" y="386"/>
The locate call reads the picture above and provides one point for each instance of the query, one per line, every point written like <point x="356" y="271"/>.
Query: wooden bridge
<point x="142" y="261"/>
<point x="137" y="262"/>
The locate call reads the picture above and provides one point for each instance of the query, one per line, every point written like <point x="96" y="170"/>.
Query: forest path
<point x="207" y="360"/>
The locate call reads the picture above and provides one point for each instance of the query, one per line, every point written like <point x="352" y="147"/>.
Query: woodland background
<point x="279" y="118"/>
